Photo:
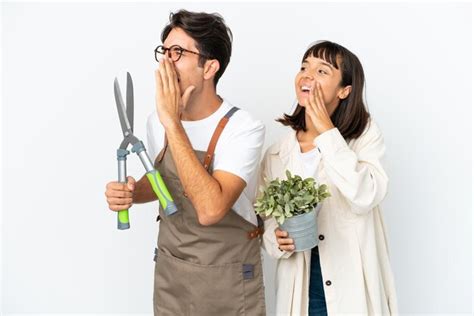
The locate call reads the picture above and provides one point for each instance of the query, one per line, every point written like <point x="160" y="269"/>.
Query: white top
<point x="310" y="160"/>
<point x="237" y="151"/>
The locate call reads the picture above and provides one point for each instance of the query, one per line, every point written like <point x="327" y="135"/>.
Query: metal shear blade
<point x="125" y="114"/>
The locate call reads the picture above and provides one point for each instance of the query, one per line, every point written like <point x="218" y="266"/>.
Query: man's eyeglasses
<point x="174" y="52"/>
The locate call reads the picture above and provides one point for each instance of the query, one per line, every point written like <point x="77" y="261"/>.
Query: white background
<point x="61" y="252"/>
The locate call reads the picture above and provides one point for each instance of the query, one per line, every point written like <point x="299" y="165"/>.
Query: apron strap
<point x="215" y="137"/>
<point x="212" y="145"/>
<point x="257" y="231"/>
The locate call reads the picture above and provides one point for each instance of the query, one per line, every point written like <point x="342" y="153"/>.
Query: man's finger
<point x="164" y="77"/>
<point x="119" y="207"/>
<point x="117" y="186"/>
<point x="158" y="82"/>
<point x="130" y="183"/>
<point x="170" y="75"/>
<point x="119" y="201"/>
<point x="119" y="194"/>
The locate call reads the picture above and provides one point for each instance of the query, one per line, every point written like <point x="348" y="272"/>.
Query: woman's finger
<point x="286" y="248"/>
<point x="315" y="98"/>
<point x="312" y="99"/>
<point x="285" y="241"/>
<point x="311" y="106"/>
<point x="312" y="114"/>
<point x="281" y="233"/>
<point x="319" y="97"/>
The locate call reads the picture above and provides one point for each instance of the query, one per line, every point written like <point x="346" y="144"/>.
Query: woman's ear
<point x="211" y="67"/>
<point x="344" y="92"/>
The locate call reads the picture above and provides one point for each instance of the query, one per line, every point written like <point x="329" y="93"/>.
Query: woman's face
<point x="318" y="70"/>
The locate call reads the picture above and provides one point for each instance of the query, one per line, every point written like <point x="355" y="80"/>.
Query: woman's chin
<point x="301" y="101"/>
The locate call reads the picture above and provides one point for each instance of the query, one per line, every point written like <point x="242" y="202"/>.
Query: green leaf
<point x="280" y="220"/>
<point x="292" y="196"/>
<point x="269" y="211"/>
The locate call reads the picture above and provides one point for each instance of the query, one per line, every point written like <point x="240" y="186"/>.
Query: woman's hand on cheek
<point x="317" y="111"/>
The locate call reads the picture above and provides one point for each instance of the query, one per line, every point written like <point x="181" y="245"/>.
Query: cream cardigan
<point x="353" y="250"/>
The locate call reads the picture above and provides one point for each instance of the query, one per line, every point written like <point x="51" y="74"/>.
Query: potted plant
<point x="294" y="203"/>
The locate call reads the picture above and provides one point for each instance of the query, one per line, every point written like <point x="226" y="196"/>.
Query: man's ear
<point x="344" y="93"/>
<point x="211" y="67"/>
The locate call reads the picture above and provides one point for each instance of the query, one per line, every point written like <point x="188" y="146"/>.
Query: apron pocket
<point x="194" y="289"/>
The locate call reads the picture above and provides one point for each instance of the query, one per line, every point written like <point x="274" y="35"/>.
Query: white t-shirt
<point x="310" y="160"/>
<point x="237" y="151"/>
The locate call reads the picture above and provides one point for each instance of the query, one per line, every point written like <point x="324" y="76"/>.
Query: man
<point x="208" y="255"/>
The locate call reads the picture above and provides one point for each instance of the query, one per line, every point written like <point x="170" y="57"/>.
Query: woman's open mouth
<point x="304" y="90"/>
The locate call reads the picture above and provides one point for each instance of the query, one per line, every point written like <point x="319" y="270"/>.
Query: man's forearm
<point x="143" y="192"/>
<point x="201" y="188"/>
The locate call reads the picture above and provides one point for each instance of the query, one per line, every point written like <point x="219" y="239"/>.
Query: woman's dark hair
<point x="351" y="115"/>
<point x="213" y="37"/>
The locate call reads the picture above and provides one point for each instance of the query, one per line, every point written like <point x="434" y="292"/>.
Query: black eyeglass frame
<point x="160" y="49"/>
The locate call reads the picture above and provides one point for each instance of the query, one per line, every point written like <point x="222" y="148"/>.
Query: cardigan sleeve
<point x="358" y="175"/>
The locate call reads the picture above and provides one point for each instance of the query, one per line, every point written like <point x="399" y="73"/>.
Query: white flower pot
<point x="303" y="229"/>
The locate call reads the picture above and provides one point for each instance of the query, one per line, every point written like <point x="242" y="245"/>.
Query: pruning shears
<point x="156" y="181"/>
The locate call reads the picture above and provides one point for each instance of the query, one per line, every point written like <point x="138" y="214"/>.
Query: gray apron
<point x="205" y="270"/>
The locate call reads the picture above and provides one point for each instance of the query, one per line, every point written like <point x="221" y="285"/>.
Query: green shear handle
<point x="161" y="191"/>
<point x="157" y="183"/>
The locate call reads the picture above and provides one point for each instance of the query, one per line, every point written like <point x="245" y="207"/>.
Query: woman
<point x="334" y="140"/>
